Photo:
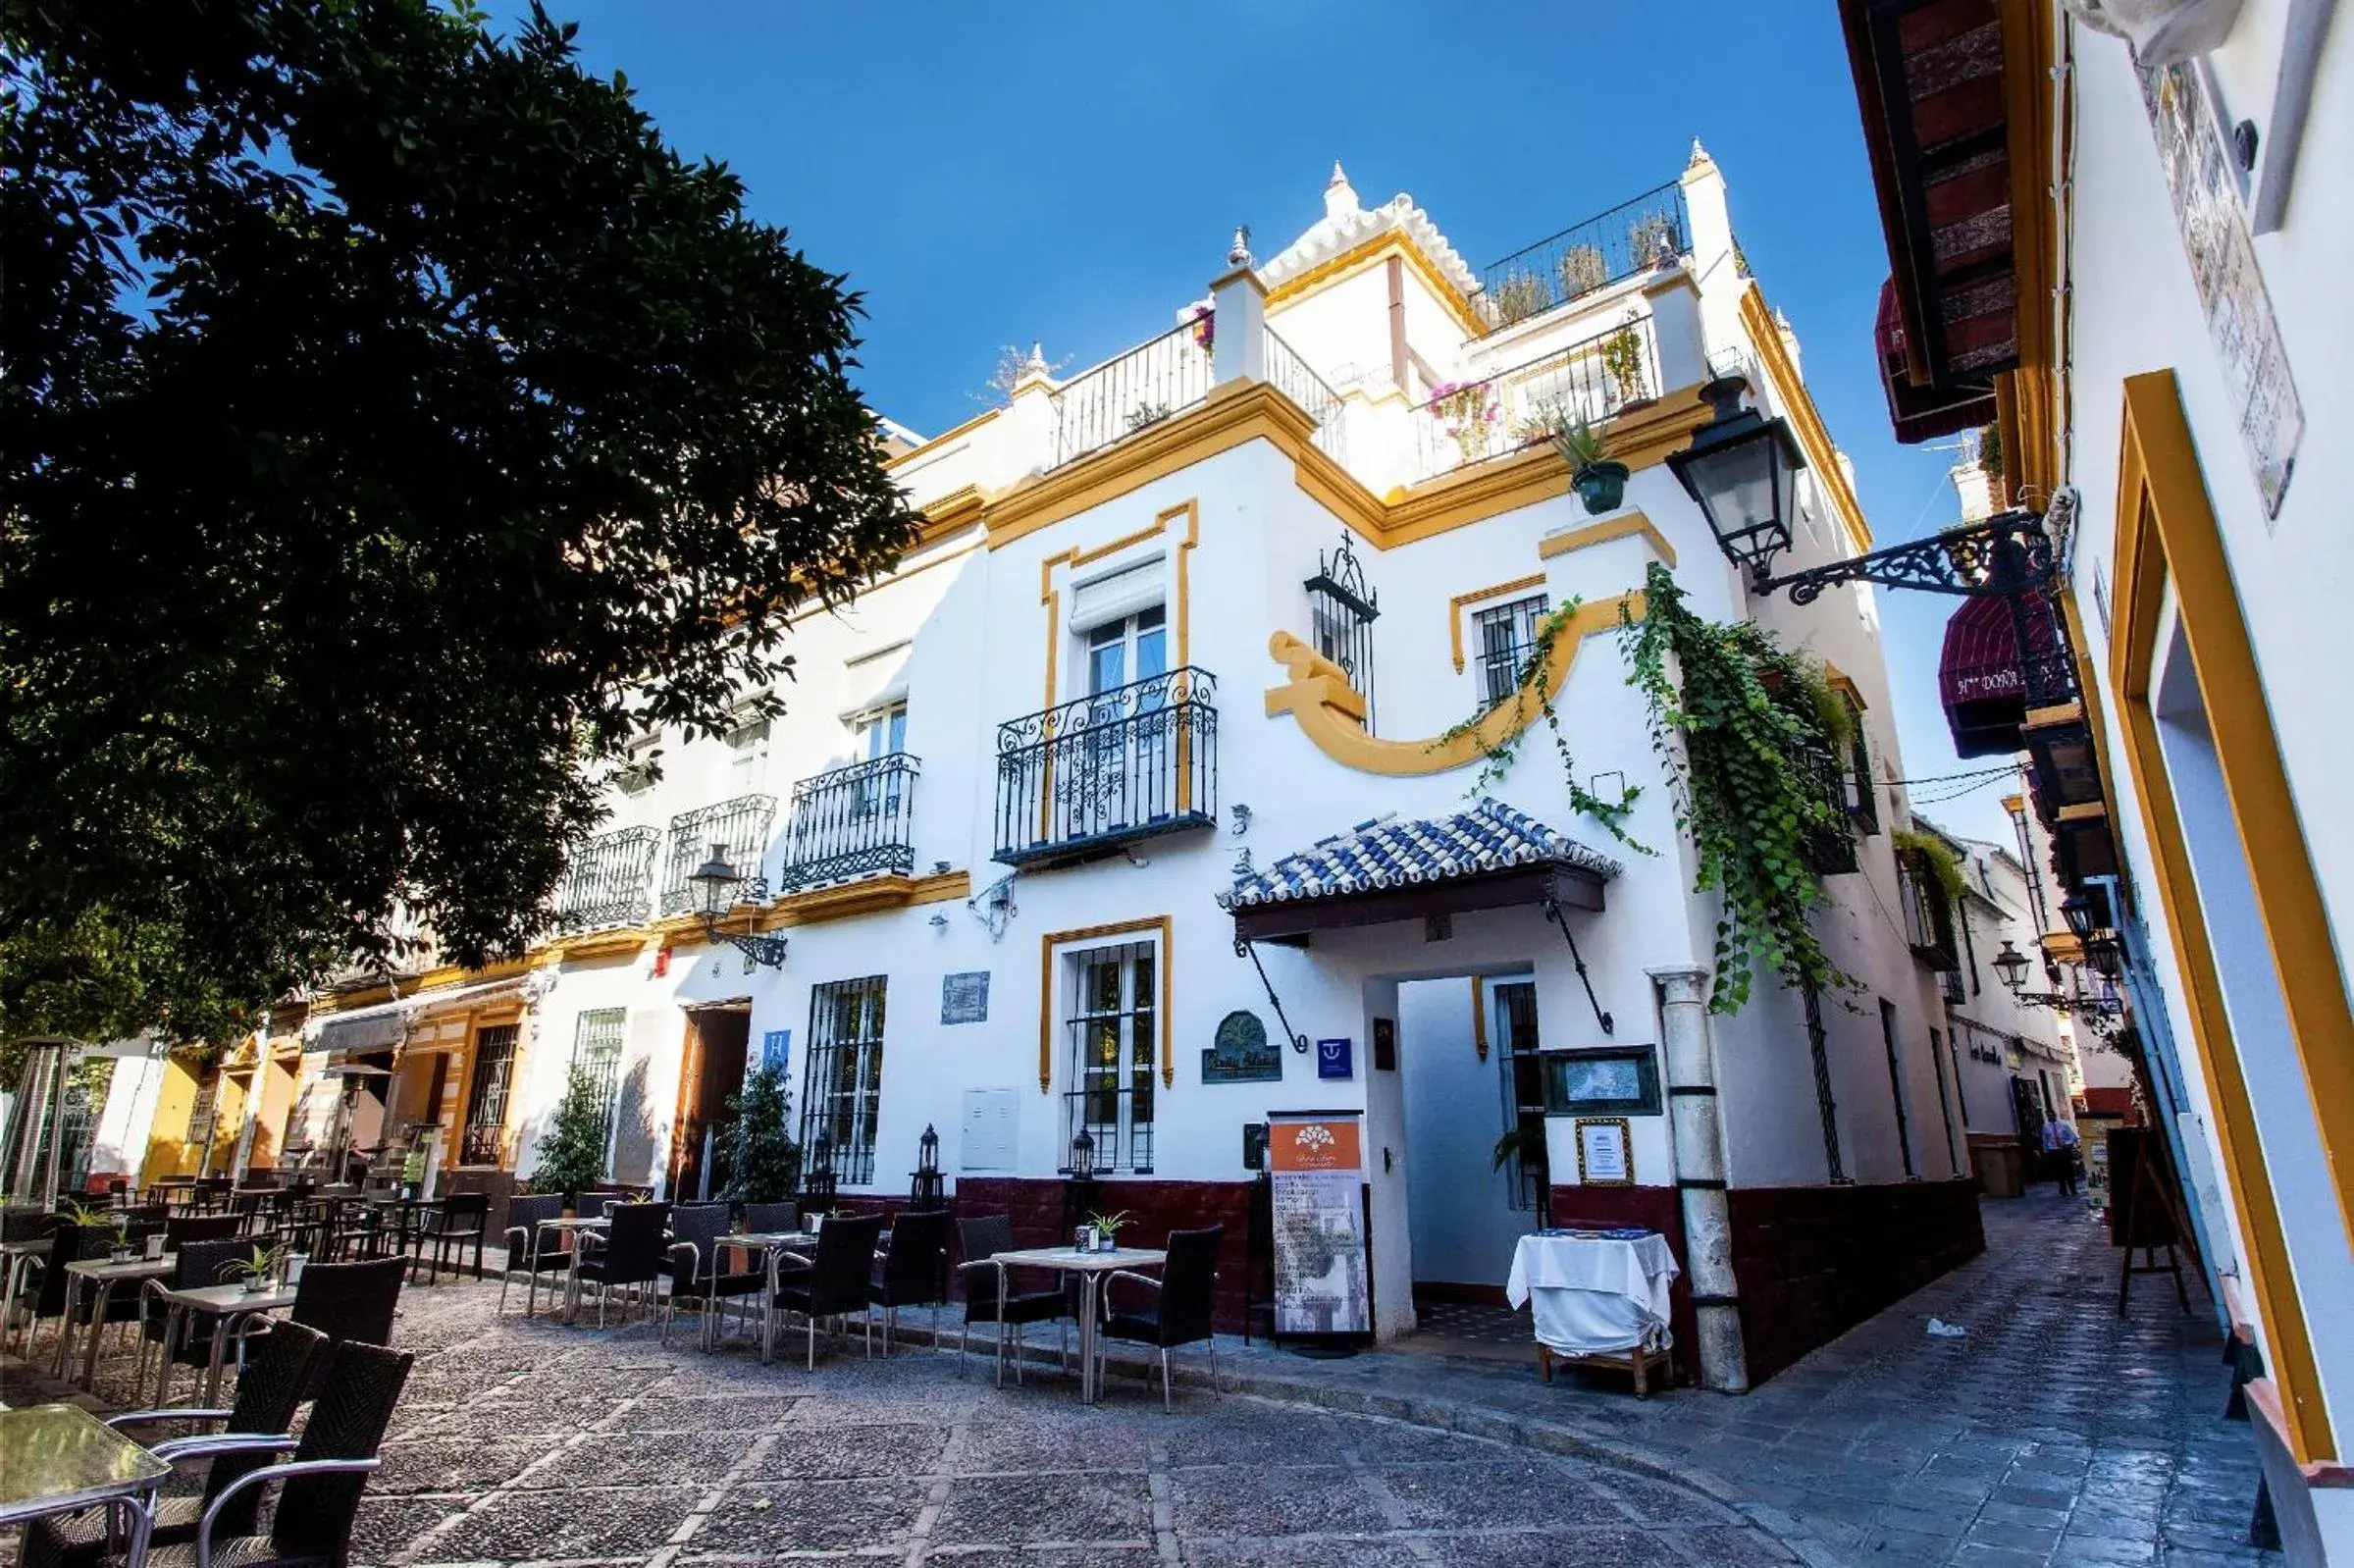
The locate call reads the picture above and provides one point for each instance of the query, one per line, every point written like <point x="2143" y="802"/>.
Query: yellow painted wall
<point x="168" y="1152"/>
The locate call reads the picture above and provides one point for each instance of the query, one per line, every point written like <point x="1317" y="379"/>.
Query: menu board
<point x="1316" y="1163"/>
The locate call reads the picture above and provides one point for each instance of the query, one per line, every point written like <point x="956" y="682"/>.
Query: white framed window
<point x="1132" y="649"/>
<point x="1506" y="636"/>
<point x="842" y="1087"/>
<point x="884" y="731"/>
<point x="1112" y="1020"/>
<point x="746" y="758"/>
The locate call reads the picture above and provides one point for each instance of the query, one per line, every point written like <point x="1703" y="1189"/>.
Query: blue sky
<point x="989" y="175"/>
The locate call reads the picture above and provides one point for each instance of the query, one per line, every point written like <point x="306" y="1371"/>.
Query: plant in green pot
<point x="1600" y="483"/>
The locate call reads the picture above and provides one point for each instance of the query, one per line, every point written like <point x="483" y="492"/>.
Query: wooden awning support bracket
<point x="1552" y="913"/>
<point x="1243" y="948"/>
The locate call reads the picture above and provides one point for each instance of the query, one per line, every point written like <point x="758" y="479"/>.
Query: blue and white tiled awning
<point x="1386" y="854"/>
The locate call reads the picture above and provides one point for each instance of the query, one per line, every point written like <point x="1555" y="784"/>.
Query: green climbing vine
<point x="1931" y="858"/>
<point x="1741" y="726"/>
<point x="1498" y="756"/>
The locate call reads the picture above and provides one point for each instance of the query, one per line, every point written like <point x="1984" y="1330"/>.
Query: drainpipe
<point x="1697" y="1129"/>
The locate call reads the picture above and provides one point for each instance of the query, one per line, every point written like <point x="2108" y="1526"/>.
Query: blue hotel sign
<point x="1336" y="1058"/>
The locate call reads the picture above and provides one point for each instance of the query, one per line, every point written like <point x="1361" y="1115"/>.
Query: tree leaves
<point x="394" y="426"/>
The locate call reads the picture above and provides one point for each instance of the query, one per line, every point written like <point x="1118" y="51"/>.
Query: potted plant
<point x="1204" y="322"/>
<point x="1600" y="481"/>
<point x="1467" y="413"/>
<point x="1622" y="357"/>
<point x="572" y="1150"/>
<point x="1107" y="1228"/>
<point x="1583" y="270"/>
<point x="253" y="1273"/>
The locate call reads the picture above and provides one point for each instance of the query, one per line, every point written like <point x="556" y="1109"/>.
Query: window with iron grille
<point x="1115" y="1024"/>
<point x="204" y="1112"/>
<point x="1863" y="790"/>
<point x="1341" y="610"/>
<point x="1506" y="636"/>
<point x="843" y="1076"/>
<point x="596" y="1054"/>
<point x="486" y="1104"/>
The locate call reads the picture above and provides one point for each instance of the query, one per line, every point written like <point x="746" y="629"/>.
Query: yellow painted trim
<point x="1621" y="526"/>
<point x="1844" y="684"/>
<point x="944" y="437"/>
<point x="1479" y="1016"/>
<point x="600" y="944"/>
<point x="1369" y="254"/>
<point x="1243" y="412"/>
<point x="1798" y="403"/>
<point x="1312" y="697"/>
<point x="2165" y="532"/>
<point x="2059" y="713"/>
<point x="1454" y="609"/>
<point x="1162" y="923"/>
<point x="2083" y="811"/>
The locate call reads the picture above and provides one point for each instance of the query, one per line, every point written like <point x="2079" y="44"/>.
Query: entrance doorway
<point x="1472" y="1087"/>
<point x="711" y="1074"/>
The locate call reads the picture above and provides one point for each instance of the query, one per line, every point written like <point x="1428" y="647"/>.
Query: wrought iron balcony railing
<point x="1468" y="422"/>
<point x="1928" y="915"/>
<point x="1138" y="389"/>
<point x="739" y="826"/>
<point x="853" y="821"/>
<point x="1831" y="849"/>
<point x="1098" y="771"/>
<point x="1289" y="375"/>
<point x="608" y="881"/>
<point x="1631" y="238"/>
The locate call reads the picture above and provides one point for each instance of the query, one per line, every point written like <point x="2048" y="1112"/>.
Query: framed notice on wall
<point x="1606" y="1156"/>
<point x="1316" y="1164"/>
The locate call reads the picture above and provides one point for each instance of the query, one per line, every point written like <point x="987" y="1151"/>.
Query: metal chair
<point x="699" y="1237"/>
<point x="524" y="1217"/>
<point x="463" y="1217"/>
<point x="1180" y="1311"/>
<point x="990" y="1296"/>
<point x="839" y="1278"/>
<point x="182" y="1229"/>
<point x="915" y="1271"/>
<point x="255" y="1426"/>
<point x="632" y="1254"/>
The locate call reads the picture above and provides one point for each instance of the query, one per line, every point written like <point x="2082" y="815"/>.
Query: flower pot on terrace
<point x="1602" y="486"/>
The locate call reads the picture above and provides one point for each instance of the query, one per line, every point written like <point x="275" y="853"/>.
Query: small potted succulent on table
<point x="1600" y="481"/>
<point x="1105" y="1228"/>
<point x="254" y="1275"/>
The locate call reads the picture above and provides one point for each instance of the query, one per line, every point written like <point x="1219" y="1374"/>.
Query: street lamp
<point x="716" y="882"/>
<point x="2012" y="964"/>
<point x="1741" y="471"/>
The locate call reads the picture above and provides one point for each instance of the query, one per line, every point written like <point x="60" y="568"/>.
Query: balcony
<point x="853" y="821"/>
<point x="1831" y="849"/>
<point x="1631" y="238"/>
<point x="1928" y="915"/>
<point x="608" y="881"/>
<point x="739" y="827"/>
<point x="1289" y="375"/>
<point x="1132" y="393"/>
<point x="1469" y="422"/>
<point x="1078" y="780"/>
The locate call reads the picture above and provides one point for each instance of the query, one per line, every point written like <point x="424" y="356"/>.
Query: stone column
<point x="1694" y="1126"/>
<point x="1241" y="300"/>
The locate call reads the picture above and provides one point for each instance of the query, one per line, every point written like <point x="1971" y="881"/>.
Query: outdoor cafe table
<point x="577" y="1225"/>
<point x="1090" y="1267"/>
<point x="62" y="1459"/>
<point x="226" y="1305"/>
<point x="774" y="1244"/>
<point x="105" y="1275"/>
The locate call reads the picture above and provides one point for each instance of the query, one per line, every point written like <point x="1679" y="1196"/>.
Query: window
<point x="1864" y="789"/>
<point x="1341" y="610"/>
<point x="596" y="1054"/>
<point x="1507" y="637"/>
<point x="747" y="751"/>
<point x="884" y="731"/>
<point x="204" y="1110"/>
<point x="1896" y="1081"/>
<point x="843" y="1075"/>
<point x="486" y="1105"/>
<point x="1113" y="1019"/>
<point x="1134" y="648"/>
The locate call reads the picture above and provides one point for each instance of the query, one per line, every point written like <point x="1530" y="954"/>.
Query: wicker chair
<point x="524" y="1217"/>
<point x="321" y="1483"/>
<point x="348" y="1302"/>
<point x="990" y="1296"/>
<point x="183" y="1228"/>
<point x="838" y="1279"/>
<point x="1180" y="1311"/>
<point x="632" y="1255"/>
<point x="194" y="1264"/>
<point x="257" y="1426"/>
<point x="463" y="1217"/>
<point x="915" y="1271"/>
<point x="698" y="1239"/>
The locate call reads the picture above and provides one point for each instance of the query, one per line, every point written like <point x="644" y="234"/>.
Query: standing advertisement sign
<point x="1316" y="1162"/>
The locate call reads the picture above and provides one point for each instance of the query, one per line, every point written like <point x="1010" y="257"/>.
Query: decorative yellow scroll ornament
<point x="1332" y="714"/>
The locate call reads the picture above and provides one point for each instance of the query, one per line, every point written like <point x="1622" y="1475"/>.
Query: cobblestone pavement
<point x="2052" y="1433"/>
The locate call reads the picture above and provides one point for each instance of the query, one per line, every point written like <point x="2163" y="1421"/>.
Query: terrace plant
<point x="761" y="1162"/>
<point x="572" y="1151"/>
<point x="1623" y="358"/>
<point x="1518" y="295"/>
<point x="1581" y="270"/>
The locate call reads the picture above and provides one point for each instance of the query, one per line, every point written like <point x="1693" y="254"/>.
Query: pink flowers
<point x="1205" y="328"/>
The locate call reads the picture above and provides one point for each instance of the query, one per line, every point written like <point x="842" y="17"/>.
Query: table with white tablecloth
<point x="1601" y="1294"/>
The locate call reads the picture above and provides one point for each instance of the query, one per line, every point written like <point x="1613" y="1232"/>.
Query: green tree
<point x="393" y="425"/>
<point x="762" y="1161"/>
<point x="572" y="1150"/>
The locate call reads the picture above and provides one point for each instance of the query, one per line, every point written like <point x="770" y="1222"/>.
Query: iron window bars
<point x="486" y="1103"/>
<point x="1341" y="610"/>
<point x="596" y="1041"/>
<point x="1507" y="637"/>
<point x="842" y="1075"/>
<point x="851" y="821"/>
<point x="1114" y="1025"/>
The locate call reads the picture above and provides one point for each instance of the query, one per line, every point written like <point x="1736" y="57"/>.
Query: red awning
<point x="1978" y="677"/>
<point x="1921" y="414"/>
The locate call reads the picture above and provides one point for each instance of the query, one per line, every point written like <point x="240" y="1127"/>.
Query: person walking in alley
<point x="2059" y="1146"/>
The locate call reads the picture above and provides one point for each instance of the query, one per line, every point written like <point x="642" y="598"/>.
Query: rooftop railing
<point x="1289" y="375"/>
<point x="1133" y="391"/>
<point x="1469" y="422"/>
<point x="1631" y="238"/>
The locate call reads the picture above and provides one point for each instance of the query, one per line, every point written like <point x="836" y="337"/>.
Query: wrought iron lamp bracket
<point x="1970" y="561"/>
<point x="1244" y="950"/>
<point x="1552" y="913"/>
<point x="760" y="952"/>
